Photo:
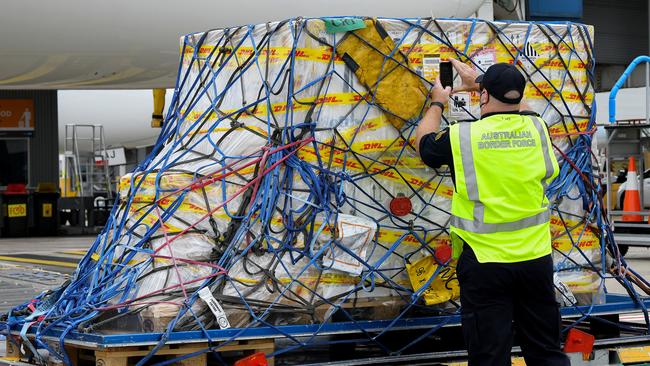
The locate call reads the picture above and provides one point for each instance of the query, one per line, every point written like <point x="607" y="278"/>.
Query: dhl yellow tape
<point x="96" y="258"/>
<point x="561" y="241"/>
<point x="273" y="54"/>
<point x="560" y="129"/>
<point x="324" y="278"/>
<point x="301" y="104"/>
<point x="257" y="129"/>
<point x="568" y="93"/>
<point x="417" y="53"/>
<point x="428" y="46"/>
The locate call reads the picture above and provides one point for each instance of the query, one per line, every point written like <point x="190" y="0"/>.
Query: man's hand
<point x="438" y="94"/>
<point x="467" y="76"/>
<point x="431" y="121"/>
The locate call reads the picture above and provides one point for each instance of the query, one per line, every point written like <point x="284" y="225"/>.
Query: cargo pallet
<point x="116" y="349"/>
<point x="91" y="353"/>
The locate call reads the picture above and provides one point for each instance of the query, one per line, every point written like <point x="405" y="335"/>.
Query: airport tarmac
<point x="29" y="266"/>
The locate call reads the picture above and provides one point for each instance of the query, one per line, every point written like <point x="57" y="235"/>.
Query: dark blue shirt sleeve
<point x="435" y="149"/>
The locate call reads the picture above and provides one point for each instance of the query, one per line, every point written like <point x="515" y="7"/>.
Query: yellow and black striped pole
<point x="158" y="106"/>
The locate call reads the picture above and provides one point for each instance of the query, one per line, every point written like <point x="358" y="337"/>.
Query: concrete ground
<point x="29" y="266"/>
<point x="639" y="259"/>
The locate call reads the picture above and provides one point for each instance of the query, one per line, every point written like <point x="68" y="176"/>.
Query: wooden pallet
<point x="128" y="355"/>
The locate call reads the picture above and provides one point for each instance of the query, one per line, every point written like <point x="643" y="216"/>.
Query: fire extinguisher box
<point x="15" y="209"/>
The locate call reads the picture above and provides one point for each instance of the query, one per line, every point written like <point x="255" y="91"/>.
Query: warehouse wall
<point x="621" y="29"/>
<point x="44" y="152"/>
<point x="621" y="34"/>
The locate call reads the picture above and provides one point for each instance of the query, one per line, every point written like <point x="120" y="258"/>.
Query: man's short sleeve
<point x="435" y="149"/>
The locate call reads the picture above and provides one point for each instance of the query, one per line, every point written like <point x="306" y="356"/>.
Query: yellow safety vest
<point x="502" y="164"/>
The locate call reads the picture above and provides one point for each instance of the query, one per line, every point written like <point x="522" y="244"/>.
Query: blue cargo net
<point x="285" y="189"/>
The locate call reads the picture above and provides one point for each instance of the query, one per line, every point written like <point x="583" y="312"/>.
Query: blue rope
<point x="298" y="200"/>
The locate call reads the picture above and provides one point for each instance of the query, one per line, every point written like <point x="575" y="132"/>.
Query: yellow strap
<point x="38" y="261"/>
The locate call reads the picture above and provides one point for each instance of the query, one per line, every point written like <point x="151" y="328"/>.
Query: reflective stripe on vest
<point x="543" y="135"/>
<point x="480" y="227"/>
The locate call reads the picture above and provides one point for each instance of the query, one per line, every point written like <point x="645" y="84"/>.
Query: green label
<point x="336" y="25"/>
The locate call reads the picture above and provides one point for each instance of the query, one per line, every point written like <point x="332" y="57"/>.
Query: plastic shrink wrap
<point x="279" y="163"/>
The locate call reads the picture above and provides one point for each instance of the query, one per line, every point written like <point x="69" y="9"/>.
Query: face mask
<point x="488" y="95"/>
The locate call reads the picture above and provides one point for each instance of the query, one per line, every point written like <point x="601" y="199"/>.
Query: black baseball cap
<point x="504" y="82"/>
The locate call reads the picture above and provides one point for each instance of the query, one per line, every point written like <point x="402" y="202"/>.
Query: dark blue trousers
<point x="497" y="298"/>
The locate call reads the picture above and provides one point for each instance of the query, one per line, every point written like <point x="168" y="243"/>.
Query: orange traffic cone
<point x="631" y="201"/>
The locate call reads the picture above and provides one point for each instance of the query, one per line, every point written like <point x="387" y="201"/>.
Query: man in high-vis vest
<point x="500" y="165"/>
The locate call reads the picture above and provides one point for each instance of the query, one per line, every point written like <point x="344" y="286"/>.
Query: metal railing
<point x="642" y="124"/>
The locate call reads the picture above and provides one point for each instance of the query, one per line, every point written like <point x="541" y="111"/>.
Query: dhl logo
<point x="556" y="222"/>
<point x="444" y="191"/>
<point x="415" y="60"/>
<point x="559" y="129"/>
<point x="332" y="99"/>
<point x="274" y="52"/>
<point x="328" y="56"/>
<point x="368" y="125"/>
<point x="387" y="173"/>
<point x="380" y="145"/>
<point x="359" y="97"/>
<point x="244" y="52"/>
<point x="374" y="146"/>
<point x="203" y="50"/>
<point x="302" y="53"/>
<point x="567" y="245"/>
<point x="388" y="237"/>
<point x="364" y="146"/>
<point x="574" y="65"/>
<point x="431" y="48"/>
<point x="561" y="232"/>
<point x="349" y="163"/>
<point x="406" y="162"/>
<point x="412" y="49"/>
<point x="566" y="95"/>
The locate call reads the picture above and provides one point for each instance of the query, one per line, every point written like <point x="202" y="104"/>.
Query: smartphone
<point x="446" y="74"/>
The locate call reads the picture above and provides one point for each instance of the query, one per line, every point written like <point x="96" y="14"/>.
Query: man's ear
<point x="484" y="98"/>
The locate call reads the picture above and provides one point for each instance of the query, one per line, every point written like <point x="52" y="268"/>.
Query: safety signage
<point x="116" y="156"/>
<point x="16" y="114"/>
<point x="17" y="210"/>
<point x="47" y="210"/>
